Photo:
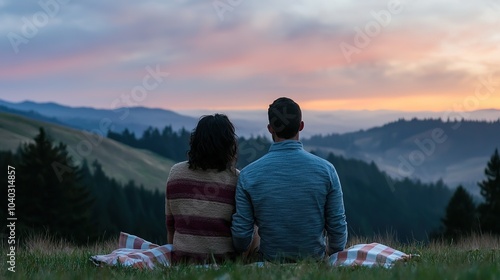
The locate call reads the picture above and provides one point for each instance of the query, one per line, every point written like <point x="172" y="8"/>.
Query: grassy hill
<point x="118" y="161"/>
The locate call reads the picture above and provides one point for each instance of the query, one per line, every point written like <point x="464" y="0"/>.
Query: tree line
<point x="175" y="144"/>
<point x="167" y="143"/>
<point x="465" y="217"/>
<point x="78" y="203"/>
<point x="397" y="132"/>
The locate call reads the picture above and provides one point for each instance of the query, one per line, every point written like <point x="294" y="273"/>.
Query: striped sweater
<point x="198" y="207"/>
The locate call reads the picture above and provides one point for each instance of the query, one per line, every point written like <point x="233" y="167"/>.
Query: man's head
<point x="285" y="119"/>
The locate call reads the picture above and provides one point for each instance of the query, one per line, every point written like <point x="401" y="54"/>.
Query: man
<point x="293" y="196"/>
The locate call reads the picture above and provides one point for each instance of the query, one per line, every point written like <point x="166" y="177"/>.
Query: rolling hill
<point x="427" y="150"/>
<point x="118" y="161"/>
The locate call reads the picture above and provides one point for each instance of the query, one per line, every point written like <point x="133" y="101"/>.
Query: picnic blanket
<point x="373" y="254"/>
<point x="136" y="252"/>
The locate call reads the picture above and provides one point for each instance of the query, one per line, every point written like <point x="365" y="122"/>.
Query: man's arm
<point x="242" y="226"/>
<point x="336" y="225"/>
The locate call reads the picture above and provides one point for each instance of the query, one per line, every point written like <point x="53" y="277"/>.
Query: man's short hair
<point x="285" y="117"/>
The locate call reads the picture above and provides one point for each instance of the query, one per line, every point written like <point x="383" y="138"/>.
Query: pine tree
<point x="51" y="197"/>
<point x="460" y="216"/>
<point x="489" y="210"/>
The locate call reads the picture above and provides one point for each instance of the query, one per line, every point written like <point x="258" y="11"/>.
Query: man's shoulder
<point x="317" y="159"/>
<point x="258" y="164"/>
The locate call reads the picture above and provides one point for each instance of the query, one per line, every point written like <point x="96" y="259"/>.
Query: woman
<point x="200" y="195"/>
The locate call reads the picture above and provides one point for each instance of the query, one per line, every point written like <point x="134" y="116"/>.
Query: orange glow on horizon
<point x="407" y="103"/>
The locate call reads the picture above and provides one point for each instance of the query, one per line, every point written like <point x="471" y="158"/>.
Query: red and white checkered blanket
<point x="136" y="252"/>
<point x="139" y="253"/>
<point x="373" y="254"/>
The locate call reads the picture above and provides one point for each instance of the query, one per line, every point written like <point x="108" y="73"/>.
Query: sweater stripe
<point x="201" y="191"/>
<point x="201" y="208"/>
<point x="202" y="226"/>
<point x="202" y="244"/>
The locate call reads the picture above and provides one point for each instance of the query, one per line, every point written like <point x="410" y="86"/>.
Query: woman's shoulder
<point x="182" y="171"/>
<point x="179" y="169"/>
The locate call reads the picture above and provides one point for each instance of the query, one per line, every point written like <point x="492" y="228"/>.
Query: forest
<point x="81" y="204"/>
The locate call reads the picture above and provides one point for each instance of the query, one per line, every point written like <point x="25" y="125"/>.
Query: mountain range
<point x="247" y="123"/>
<point x="430" y="146"/>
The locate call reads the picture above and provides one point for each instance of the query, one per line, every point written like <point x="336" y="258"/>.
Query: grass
<point x="477" y="257"/>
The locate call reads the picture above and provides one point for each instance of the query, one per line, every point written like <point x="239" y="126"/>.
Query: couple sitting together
<point x="284" y="207"/>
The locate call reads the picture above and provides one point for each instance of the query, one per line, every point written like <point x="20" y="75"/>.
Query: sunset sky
<point x="241" y="54"/>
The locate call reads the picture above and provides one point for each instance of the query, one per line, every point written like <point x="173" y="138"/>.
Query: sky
<point x="428" y="55"/>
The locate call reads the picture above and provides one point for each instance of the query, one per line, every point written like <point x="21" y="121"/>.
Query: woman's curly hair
<point x="213" y="144"/>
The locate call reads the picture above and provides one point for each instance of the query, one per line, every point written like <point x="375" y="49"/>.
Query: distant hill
<point x="32" y="115"/>
<point x="135" y="119"/>
<point x="342" y="121"/>
<point x="118" y="161"/>
<point x="428" y="150"/>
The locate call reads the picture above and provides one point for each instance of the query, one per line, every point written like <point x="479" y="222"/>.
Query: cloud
<point x="259" y="50"/>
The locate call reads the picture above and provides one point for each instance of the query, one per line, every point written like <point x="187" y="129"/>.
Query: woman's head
<point x="213" y="144"/>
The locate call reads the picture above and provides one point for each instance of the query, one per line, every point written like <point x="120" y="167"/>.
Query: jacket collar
<point x="286" y="145"/>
